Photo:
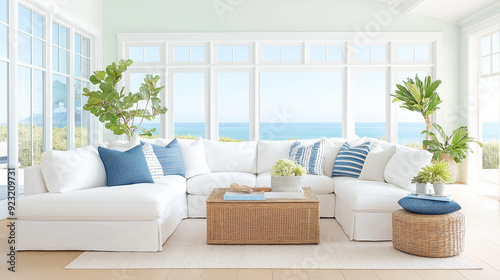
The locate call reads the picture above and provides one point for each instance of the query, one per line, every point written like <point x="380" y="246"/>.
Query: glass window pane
<point x="271" y="53"/>
<point x="85" y="46"/>
<point x="23" y="99"/>
<point x="78" y="44"/>
<point x="181" y="53"/>
<point x="234" y="106"/>
<point x="291" y="53"/>
<point x="286" y="114"/>
<point x="317" y="53"/>
<point x="78" y="113"/>
<point x="137" y="54"/>
<point x="38" y="100"/>
<point x="63" y="37"/>
<point x="4" y="78"/>
<point x="4" y="11"/>
<point x="78" y="66"/>
<point x="59" y="112"/>
<point x="489" y="104"/>
<point x="24" y="48"/>
<point x="334" y="53"/>
<point x="241" y="53"/>
<point x="378" y="53"/>
<point x="197" y="53"/>
<point x="55" y="59"/>
<point x="369" y="104"/>
<point x="4" y="41"/>
<point x="24" y="19"/>
<point x="495" y="43"/>
<point x="362" y="53"/>
<point x="85" y="68"/>
<point x="410" y="124"/>
<point x="64" y="61"/>
<point x="486" y="45"/>
<point x="496" y="62"/>
<point x="189" y="104"/>
<point x="406" y="53"/>
<point x="38" y="52"/>
<point x="422" y="53"/>
<point x="38" y="25"/>
<point x="55" y="33"/>
<point x="225" y="53"/>
<point x="152" y="54"/>
<point x="486" y="65"/>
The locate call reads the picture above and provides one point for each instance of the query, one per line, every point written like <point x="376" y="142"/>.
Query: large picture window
<point x="275" y="86"/>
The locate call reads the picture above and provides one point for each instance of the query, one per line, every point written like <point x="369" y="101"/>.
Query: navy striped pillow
<point x="350" y="160"/>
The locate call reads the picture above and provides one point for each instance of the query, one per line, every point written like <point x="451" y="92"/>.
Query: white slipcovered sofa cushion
<point x="320" y="184"/>
<point x="139" y="202"/>
<point x="72" y="170"/>
<point x="404" y="165"/>
<point x="368" y="196"/>
<point x="205" y="183"/>
<point x="231" y="156"/>
<point x="194" y="157"/>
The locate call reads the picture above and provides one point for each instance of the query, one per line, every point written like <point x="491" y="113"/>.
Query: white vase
<point x="422" y="188"/>
<point x="286" y="183"/>
<point x="438" y="188"/>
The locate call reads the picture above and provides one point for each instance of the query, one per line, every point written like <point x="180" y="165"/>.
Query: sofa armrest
<point x="33" y="181"/>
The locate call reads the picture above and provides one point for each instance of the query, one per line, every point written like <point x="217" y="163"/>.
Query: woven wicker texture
<point x="434" y="236"/>
<point x="271" y="221"/>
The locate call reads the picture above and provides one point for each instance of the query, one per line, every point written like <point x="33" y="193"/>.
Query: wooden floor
<point x="480" y="205"/>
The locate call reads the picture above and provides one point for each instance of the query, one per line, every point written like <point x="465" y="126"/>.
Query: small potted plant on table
<point x="421" y="183"/>
<point x="438" y="174"/>
<point x="287" y="176"/>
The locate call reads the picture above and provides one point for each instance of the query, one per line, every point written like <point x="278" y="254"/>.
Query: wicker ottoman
<point x="433" y="236"/>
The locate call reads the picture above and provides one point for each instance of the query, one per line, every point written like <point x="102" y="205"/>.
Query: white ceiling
<point x="453" y="10"/>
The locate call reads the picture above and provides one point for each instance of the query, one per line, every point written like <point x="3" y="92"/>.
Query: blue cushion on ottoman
<point x="428" y="207"/>
<point x="125" y="168"/>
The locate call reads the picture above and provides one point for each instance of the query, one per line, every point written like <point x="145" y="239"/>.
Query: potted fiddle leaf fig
<point x="287" y="176"/>
<point x="419" y="96"/>
<point x="124" y="113"/>
<point x="452" y="148"/>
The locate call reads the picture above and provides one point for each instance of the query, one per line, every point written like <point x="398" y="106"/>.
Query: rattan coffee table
<point x="271" y="221"/>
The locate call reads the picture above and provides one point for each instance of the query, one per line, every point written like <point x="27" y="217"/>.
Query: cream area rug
<point x="187" y="248"/>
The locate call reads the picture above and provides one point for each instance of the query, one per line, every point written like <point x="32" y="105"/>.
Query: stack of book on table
<point x="230" y="195"/>
<point x="436" y="197"/>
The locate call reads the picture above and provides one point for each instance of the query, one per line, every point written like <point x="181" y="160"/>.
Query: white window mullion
<point x="12" y="134"/>
<point x="212" y="116"/>
<point x="47" y="125"/>
<point x="164" y="127"/>
<point x="254" y="117"/>
<point x="71" y="92"/>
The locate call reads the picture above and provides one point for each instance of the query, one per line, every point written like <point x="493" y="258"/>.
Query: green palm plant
<point x="419" y="96"/>
<point x="455" y="145"/>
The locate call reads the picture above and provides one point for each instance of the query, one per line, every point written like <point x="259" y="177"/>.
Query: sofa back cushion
<point x="231" y="156"/>
<point x="72" y="170"/>
<point x="268" y="152"/>
<point x="125" y="168"/>
<point x="375" y="163"/>
<point x="404" y="165"/>
<point x="194" y="157"/>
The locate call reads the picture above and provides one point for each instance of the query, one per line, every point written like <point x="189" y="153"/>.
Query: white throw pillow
<point x="194" y="157"/>
<point x="404" y="165"/>
<point x="375" y="163"/>
<point x="268" y="152"/>
<point x="231" y="156"/>
<point x="72" y="170"/>
<point x="154" y="164"/>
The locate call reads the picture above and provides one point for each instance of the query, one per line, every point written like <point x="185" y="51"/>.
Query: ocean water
<point x="407" y="132"/>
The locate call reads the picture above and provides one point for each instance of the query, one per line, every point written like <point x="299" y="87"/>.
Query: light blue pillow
<point x="125" y="168"/>
<point x="429" y="207"/>
<point x="350" y="160"/>
<point x="310" y="157"/>
<point x="170" y="158"/>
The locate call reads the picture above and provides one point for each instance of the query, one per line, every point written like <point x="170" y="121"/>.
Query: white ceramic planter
<point x="286" y="183"/>
<point x="422" y="188"/>
<point x="438" y="188"/>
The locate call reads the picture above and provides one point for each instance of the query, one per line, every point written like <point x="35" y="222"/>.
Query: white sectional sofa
<point x="141" y="217"/>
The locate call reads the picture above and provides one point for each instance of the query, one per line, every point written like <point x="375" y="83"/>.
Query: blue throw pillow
<point x="350" y="160"/>
<point x="170" y="158"/>
<point x="429" y="207"/>
<point x="125" y="168"/>
<point x="310" y="157"/>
